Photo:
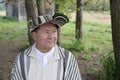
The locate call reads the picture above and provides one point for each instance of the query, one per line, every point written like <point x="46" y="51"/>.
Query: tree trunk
<point x="31" y="11"/>
<point x="79" y="20"/>
<point x="57" y="10"/>
<point x="115" y="19"/>
<point x="46" y="7"/>
<point x="41" y="7"/>
<point x="49" y="7"/>
<point x="35" y="8"/>
<point x="56" y="7"/>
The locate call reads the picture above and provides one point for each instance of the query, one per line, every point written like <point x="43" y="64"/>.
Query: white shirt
<point x="44" y="58"/>
<point x="42" y="64"/>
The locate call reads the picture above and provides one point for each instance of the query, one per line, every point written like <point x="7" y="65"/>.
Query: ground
<point x="89" y="69"/>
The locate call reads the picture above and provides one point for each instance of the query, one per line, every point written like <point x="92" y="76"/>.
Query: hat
<point x="58" y="19"/>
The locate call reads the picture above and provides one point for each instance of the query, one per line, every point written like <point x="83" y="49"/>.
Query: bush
<point x="108" y="63"/>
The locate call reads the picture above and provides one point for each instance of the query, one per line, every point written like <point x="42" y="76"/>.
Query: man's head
<point x="58" y="19"/>
<point x="45" y="33"/>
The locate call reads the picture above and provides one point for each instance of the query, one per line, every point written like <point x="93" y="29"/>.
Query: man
<point x="45" y="60"/>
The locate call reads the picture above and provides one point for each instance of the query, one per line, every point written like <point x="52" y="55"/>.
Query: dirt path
<point x="100" y="18"/>
<point x="95" y="17"/>
<point x="8" y="51"/>
<point x="6" y="58"/>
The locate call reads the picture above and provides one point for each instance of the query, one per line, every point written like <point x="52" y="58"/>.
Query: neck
<point x="44" y="50"/>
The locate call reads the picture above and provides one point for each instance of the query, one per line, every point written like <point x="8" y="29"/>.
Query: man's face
<point x="45" y="37"/>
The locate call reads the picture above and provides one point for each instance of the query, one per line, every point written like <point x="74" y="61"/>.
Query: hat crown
<point x="44" y="19"/>
<point x="58" y="19"/>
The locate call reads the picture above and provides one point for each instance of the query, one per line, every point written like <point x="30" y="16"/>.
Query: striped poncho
<point x="67" y="66"/>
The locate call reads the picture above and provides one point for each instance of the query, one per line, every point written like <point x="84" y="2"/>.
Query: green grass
<point x="108" y="62"/>
<point x="96" y="36"/>
<point x="11" y="29"/>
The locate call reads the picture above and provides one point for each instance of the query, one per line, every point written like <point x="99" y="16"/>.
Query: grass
<point x="109" y="67"/>
<point x="11" y="29"/>
<point x="95" y="36"/>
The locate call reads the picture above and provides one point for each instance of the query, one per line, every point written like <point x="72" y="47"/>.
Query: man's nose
<point x="51" y="35"/>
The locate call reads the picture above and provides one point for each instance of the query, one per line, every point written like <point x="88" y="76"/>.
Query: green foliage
<point x="86" y="56"/>
<point x="108" y="63"/>
<point x="96" y="5"/>
<point x="78" y="46"/>
<point x="25" y="46"/>
<point x="69" y="6"/>
<point x="94" y="71"/>
<point x="66" y="6"/>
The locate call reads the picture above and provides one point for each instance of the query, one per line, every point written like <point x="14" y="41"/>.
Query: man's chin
<point x="48" y="48"/>
<point x="51" y="45"/>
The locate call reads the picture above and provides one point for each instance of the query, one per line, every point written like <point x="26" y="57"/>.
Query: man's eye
<point x="46" y="31"/>
<point x="55" y="31"/>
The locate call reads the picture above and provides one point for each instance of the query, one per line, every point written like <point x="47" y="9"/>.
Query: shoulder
<point x="24" y="52"/>
<point x="65" y="52"/>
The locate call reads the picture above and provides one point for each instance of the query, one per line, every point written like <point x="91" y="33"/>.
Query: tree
<point x="115" y="19"/>
<point x="41" y="6"/>
<point x="67" y="6"/>
<point x="79" y="20"/>
<point x="31" y="11"/>
<point x="34" y="8"/>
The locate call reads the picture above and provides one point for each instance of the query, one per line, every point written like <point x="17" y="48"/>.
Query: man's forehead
<point x="49" y="26"/>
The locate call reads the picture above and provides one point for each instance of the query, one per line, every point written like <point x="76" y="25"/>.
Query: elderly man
<point x="45" y="60"/>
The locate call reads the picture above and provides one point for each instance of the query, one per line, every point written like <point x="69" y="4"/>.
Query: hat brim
<point x="57" y="24"/>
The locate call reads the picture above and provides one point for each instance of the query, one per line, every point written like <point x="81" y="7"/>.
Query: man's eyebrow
<point x="55" y="29"/>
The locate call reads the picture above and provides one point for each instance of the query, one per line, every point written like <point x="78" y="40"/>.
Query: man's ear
<point x="34" y="35"/>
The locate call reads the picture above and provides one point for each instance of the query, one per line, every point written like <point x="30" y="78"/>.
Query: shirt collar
<point x="41" y="54"/>
<point x="55" y="49"/>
